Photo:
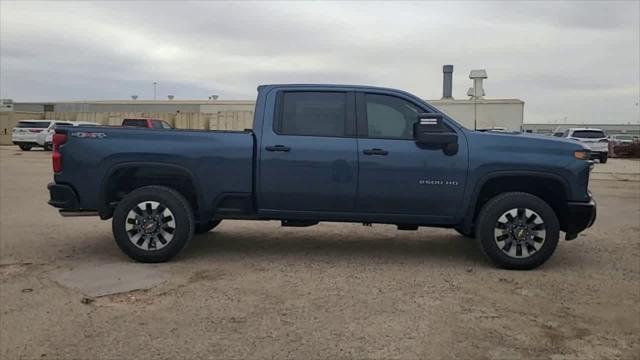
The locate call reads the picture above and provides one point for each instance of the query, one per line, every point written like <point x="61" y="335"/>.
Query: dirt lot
<point x="256" y="290"/>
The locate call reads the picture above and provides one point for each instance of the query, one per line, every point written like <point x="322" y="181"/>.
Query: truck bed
<point x="219" y="161"/>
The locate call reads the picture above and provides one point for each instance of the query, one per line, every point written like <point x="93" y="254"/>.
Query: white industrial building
<point x="609" y="129"/>
<point x="475" y="110"/>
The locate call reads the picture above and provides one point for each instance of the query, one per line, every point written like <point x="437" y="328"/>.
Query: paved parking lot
<point x="256" y="290"/>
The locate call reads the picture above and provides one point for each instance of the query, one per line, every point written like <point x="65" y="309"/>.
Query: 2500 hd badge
<point x="438" y="182"/>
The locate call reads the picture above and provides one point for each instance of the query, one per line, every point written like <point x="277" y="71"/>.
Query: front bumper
<point x="581" y="215"/>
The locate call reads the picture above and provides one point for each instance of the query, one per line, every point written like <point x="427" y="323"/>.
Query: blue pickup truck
<point x="328" y="153"/>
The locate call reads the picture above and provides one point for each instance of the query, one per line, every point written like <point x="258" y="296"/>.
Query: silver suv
<point x="595" y="139"/>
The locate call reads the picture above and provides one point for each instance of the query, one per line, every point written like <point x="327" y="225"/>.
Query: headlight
<point x="582" y="154"/>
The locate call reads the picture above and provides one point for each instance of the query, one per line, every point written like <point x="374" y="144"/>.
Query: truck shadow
<point x="304" y="246"/>
<point x="310" y="245"/>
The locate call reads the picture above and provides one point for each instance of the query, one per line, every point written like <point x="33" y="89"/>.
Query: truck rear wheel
<point x="153" y="223"/>
<point x="25" y="147"/>
<point x="517" y="230"/>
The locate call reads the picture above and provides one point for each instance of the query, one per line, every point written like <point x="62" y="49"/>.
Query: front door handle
<point x="375" y="152"/>
<point x="278" y="148"/>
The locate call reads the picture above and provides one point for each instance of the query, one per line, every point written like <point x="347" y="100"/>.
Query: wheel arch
<point x="551" y="188"/>
<point x="123" y="178"/>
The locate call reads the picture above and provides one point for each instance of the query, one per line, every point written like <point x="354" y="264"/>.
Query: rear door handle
<point x="375" y="152"/>
<point x="278" y="148"/>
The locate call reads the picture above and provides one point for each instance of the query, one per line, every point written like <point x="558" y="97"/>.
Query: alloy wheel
<point x="520" y="232"/>
<point x="150" y="225"/>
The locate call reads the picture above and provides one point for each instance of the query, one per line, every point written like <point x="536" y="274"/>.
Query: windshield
<point x="34" y="124"/>
<point x="588" y="134"/>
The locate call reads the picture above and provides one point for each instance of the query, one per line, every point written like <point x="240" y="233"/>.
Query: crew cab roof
<point x="334" y="86"/>
<point x="584" y="129"/>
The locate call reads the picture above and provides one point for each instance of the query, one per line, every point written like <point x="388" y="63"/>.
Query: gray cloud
<point x="561" y="58"/>
<point x="588" y="15"/>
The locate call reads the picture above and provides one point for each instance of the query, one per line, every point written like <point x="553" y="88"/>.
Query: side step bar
<point x="69" y="213"/>
<point x="298" y="223"/>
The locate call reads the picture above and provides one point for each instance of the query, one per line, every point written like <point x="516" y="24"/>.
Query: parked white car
<point x="621" y="139"/>
<point x="595" y="139"/>
<point x="45" y="138"/>
<point x="26" y="133"/>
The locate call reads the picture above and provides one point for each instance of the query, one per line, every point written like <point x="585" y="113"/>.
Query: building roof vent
<point x="447" y="81"/>
<point x="477" y="91"/>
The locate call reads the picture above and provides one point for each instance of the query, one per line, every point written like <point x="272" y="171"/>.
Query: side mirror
<point x="429" y="132"/>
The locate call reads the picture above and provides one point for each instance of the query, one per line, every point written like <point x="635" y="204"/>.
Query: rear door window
<point x="312" y="113"/>
<point x="34" y="124"/>
<point x="588" y="134"/>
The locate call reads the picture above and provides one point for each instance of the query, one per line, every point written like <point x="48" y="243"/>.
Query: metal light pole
<point x="475" y="113"/>
<point x="155" y="83"/>
<point x="477" y="91"/>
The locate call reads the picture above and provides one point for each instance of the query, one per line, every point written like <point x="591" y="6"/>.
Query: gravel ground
<point x="256" y="290"/>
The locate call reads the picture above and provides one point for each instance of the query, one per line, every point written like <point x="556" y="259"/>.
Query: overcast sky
<point x="579" y="60"/>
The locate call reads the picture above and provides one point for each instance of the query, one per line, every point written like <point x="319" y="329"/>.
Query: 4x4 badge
<point x="90" y="135"/>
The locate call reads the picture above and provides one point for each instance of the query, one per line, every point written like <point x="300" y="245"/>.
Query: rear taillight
<point x="35" y="130"/>
<point x="58" y="139"/>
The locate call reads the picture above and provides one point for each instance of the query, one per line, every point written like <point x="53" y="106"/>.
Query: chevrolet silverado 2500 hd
<point x="328" y="153"/>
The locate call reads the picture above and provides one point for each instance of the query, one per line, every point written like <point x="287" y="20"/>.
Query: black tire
<point x="48" y="147"/>
<point x="206" y="227"/>
<point x="470" y="235"/>
<point x="181" y="213"/>
<point x="487" y="223"/>
<point x="25" y="147"/>
<point x="603" y="159"/>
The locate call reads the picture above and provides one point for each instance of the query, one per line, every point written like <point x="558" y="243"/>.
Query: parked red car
<point x="148" y="123"/>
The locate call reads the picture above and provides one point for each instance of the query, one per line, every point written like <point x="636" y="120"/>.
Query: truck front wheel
<point x="153" y="223"/>
<point x="517" y="230"/>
